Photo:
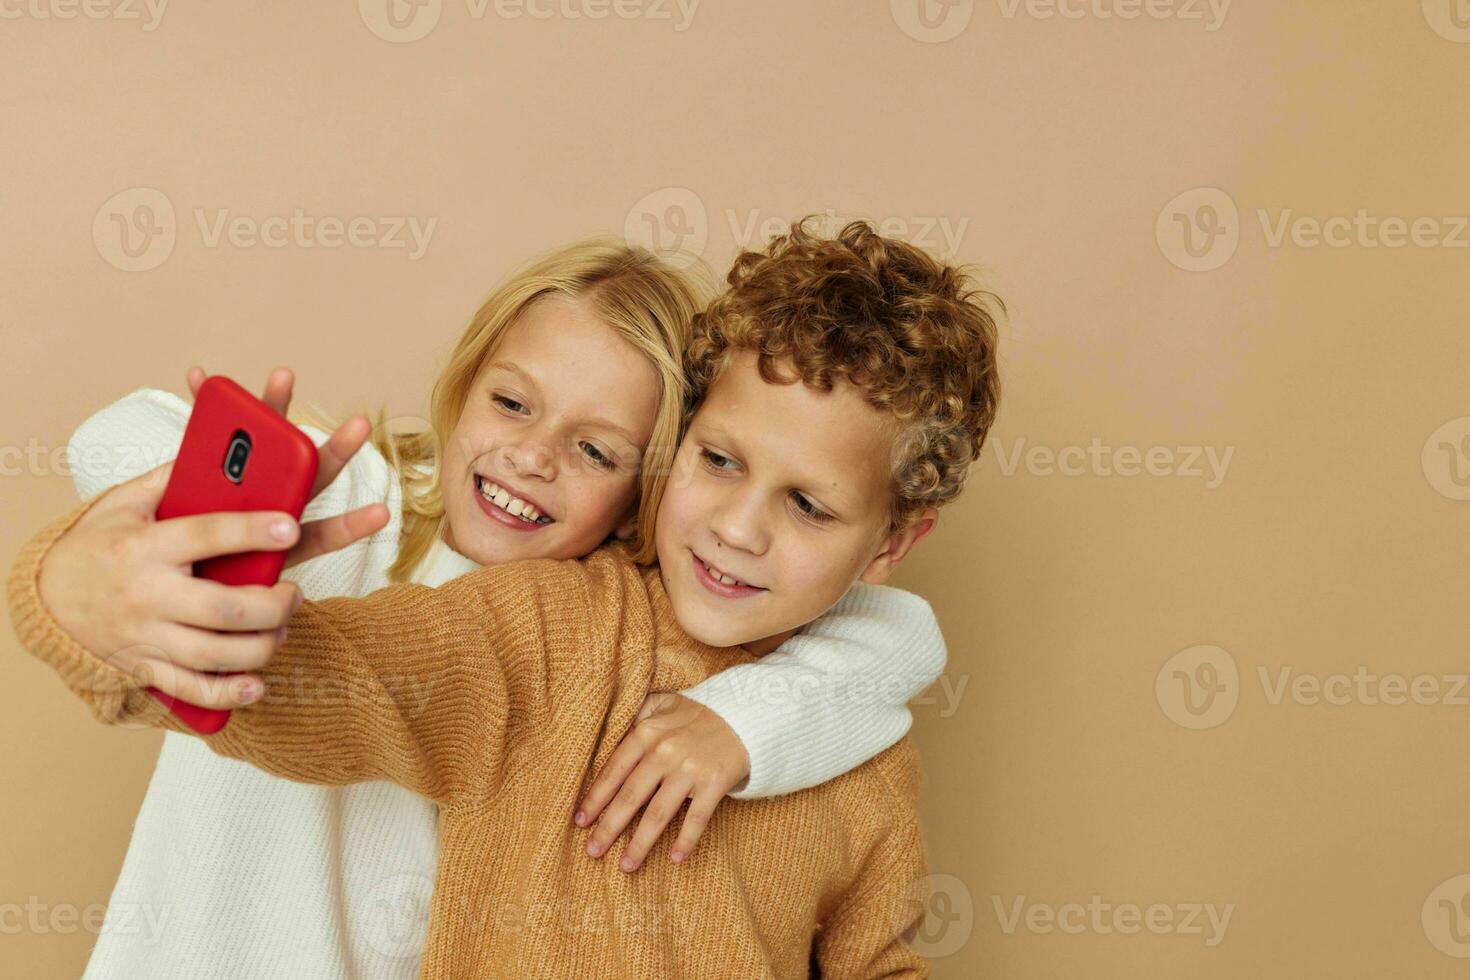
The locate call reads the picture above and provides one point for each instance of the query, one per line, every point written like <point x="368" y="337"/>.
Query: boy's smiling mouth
<point x="721" y="584"/>
<point x="508" y="507"/>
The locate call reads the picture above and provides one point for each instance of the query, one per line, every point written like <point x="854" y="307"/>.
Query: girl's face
<point x="544" y="460"/>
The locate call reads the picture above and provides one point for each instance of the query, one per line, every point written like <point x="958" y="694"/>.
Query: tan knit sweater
<point x="498" y="695"/>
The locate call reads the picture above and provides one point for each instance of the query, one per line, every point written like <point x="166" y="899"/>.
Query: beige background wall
<point x="1072" y="755"/>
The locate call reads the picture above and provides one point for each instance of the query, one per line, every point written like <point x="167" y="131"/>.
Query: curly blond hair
<point x="911" y="333"/>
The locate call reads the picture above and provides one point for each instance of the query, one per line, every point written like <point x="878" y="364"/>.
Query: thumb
<point x="146" y="491"/>
<point x="652" y="704"/>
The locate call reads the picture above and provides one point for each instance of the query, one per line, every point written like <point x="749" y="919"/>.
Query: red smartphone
<point x="238" y="454"/>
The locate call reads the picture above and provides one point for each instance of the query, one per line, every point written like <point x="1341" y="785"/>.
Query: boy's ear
<point x="897" y="545"/>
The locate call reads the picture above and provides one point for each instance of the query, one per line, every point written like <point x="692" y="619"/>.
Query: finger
<point x="277" y="393"/>
<point x="194" y="377"/>
<point x="229" y="608"/>
<point x="224" y="691"/>
<point x="339" y="448"/>
<point x="610" y="779"/>
<point x="198" y="536"/>
<point x="144" y="492"/>
<point x="656" y="817"/>
<point x="207" y="651"/>
<point x="336" y="533"/>
<point x="636" y="791"/>
<point x="695" y="821"/>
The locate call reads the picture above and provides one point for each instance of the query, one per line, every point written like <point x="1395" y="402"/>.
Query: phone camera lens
<point x="236" y="456"/>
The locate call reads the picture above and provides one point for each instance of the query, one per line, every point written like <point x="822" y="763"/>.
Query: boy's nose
<point x="740" y="523"/>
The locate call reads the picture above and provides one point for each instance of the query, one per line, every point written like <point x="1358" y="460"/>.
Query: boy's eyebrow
<point x="600" y="423"/>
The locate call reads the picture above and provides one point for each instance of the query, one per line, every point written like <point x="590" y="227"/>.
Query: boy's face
<point x="785" y="490"/>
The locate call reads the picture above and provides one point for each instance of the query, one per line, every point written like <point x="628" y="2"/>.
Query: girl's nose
<point x="531" y="458"/>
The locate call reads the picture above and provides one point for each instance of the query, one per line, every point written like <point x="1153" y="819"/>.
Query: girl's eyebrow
<point x="596" y="422"/>
<point x="516" y="369"/>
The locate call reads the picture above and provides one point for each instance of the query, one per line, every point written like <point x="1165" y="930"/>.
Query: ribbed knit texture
<point x="233" y="872"/>
<point x="496" y="695"/>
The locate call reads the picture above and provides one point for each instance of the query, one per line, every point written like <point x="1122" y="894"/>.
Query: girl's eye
<point x="509" y="404"/>
<point x="717" y="461"/>
<point x="596" y="455"/>
<point x="808" y="509"/>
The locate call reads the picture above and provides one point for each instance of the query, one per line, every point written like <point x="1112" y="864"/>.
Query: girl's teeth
<point x="515" y="506"/>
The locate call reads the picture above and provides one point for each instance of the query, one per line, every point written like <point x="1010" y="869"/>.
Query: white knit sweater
<point x="233" y="873"/>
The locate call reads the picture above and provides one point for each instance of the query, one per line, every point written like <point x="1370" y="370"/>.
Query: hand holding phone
<point x="238" y="454"/>
<point x="119" y="581"/>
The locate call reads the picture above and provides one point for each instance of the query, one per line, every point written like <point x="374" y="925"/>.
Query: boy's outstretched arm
<point x="361" y="689"/>
<point x="821" y="704"/>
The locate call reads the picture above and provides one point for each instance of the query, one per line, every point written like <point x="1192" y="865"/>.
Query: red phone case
<point x="277" y="475"/>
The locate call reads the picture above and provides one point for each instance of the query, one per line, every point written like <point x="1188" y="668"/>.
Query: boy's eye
<point x="808" y="509"/>
<point x="718" y="461"/>
<point x="509" y="404"/>
<point x="598" y="457"/>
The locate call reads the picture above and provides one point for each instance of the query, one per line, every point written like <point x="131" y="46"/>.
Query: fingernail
<point x="281" y="529"/>
<point x="580" y="819"/>
<point x="628" y="864"/>
<point x="594" y="848"/>
<point x="280" y="636"/>
<point x="677" y="856"/>
<point x="296" y="600"/>
<point x="250" y="691"/>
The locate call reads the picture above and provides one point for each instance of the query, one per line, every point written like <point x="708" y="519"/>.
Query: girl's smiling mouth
<point x="508" y="508"/>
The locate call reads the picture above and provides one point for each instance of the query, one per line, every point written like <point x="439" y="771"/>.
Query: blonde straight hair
<point x="650" y="304"/>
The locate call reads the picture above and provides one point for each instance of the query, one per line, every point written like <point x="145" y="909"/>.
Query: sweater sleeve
<point x="834" y="695"/>
<point x="871" y="933"/>
<point x="411" y="684"/>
